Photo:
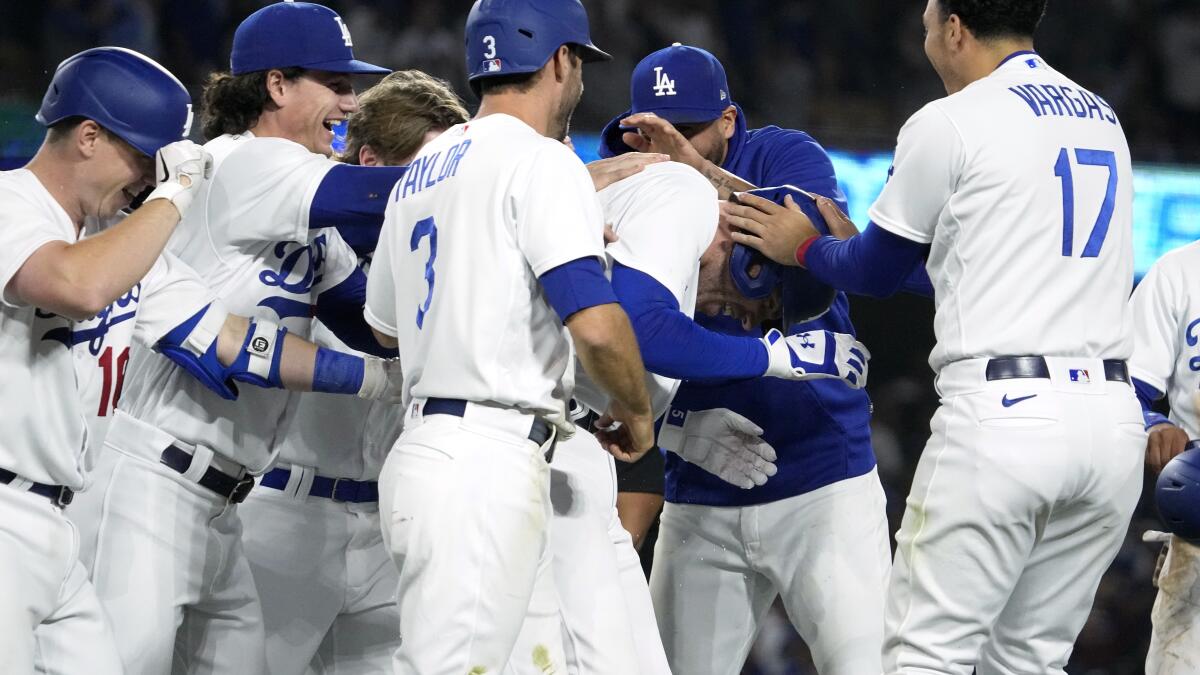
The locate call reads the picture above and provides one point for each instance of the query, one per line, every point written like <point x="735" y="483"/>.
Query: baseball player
<point x="465" y="493"/>
<point x="1017" y="190"/>
<point x="820" y="532"/>
<point x="312" y="531"/>
<point x="113" y="117"/>
<point x="175" y="582"/>
<point x="1166" y="362"/>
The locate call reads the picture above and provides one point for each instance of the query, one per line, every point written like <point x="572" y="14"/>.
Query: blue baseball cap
<point x="681" y="84"/>
<point x="295" y="34"/>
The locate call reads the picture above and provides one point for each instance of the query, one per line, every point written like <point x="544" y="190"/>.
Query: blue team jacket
<point x="821" y="429"/>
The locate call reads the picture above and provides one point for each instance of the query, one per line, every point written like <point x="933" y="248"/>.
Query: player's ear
<point x="276" y="85"/>
<point x="729" y="122"/>
<point x="367" y="156"/>
<point x="562" y="63"/>
<point x="87" y="136"/>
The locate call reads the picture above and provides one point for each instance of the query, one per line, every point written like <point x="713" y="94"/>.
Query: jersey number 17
<point x="1062" y="169"/>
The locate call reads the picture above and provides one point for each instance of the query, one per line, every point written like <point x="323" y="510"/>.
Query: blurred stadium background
<point x="849" y="73"/>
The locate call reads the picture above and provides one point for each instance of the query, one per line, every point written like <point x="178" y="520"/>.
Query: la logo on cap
<point x="663" y="85"/>
<point x="345" y="31"/>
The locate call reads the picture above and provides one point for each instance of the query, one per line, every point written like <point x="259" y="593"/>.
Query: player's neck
<point x="987" y="56"/>
<point x="61" y="180"/>
<point x="529" y="109"/>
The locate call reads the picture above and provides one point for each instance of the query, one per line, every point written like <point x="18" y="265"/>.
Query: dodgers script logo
<point x="1192" y="335"/>
<point x="663" y="85"/>
<point x="94" y="330"/>
<point x="299" y="270"/>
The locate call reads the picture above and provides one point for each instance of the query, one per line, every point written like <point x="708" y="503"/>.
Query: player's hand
<point x="839" y="223"/>
<point x="624" y="434"/>
<point x="815" y="355"/>
<point x="721" y="442"/>
<point x="1165" y="441"/>
<point x="179" y="170"/>
<point x="777" y="231"/>
<point x="383" y="380"/>
<point x="605" y="172"/>
<point x="655" y="134"/>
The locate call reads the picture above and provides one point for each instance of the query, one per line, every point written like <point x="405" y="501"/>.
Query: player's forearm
<point x="637" y="511"/>
<point x="353" y="199"/>
<point x="875" y="263"/>
<point x="726" y="183"/>
<point x="608" y="352"/>
<point x="79" y="280"/>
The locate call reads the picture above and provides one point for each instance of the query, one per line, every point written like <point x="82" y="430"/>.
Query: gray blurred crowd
<point x="850" y="73"/>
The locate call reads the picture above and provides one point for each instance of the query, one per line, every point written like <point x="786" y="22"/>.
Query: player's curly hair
<point x="394" y="115"/>
<point x="990" y="19"/>
<point x="231" y="104"/>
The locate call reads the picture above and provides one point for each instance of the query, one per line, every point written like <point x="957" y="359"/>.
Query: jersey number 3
<point x="425" y="228"/>
<point x="1062" y="169"/>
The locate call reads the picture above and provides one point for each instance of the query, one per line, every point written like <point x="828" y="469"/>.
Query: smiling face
<point x="309" y="106"/>
<point x="121" y="174"/>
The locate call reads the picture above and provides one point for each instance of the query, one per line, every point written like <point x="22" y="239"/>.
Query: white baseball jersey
<point x="485" y="209"/>
<point x="1022" y="185"/>
<point x="43" y="436"/>
<point x="247" y="237"/>
<point x="342" y="436"/>
<point x="169" y="294"/>
<point x="1166" y="320"/>
<point x="665" y="218"/>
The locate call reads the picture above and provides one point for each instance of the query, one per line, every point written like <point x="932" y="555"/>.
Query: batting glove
<point x="382" y="380"/>
<point x="180" y="169"/>
<point x="721" y="442"/>
<point x="816" y="355"/>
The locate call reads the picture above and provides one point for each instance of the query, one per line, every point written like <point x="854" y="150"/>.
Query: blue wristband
<point x="336" y="372"/>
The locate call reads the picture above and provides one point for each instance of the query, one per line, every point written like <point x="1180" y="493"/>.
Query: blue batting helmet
<point x="1177" y="494"/>
<point x="127" y="93"/>
<point x="509" y="37"/>
<point x="756" y="276"/>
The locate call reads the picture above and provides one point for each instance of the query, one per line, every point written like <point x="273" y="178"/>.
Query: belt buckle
<point x="241" y="490"/>
<point x="64" y="497"/>
<point x="333" y="495"/>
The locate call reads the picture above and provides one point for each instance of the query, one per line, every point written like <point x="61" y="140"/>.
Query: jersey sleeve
<point x="171" y="293"/>
<point x="266" y="187"/>
<point x="22" y="231"/>
<point x="666" y="229"/>
<point x="380" y="310"/>
<point x="1155" y="309"/>
<point x="556" y="215"/>
<point x="340" y="261"/>
<point x="929" y="161"/>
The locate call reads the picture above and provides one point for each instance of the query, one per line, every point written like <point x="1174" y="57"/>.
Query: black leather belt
<point x="337" y="489"/>
<point x="539" y="432"/>
<point x="59" y="495"/>
<point x="230" y="487"/>
<point x="1024" y="367"/>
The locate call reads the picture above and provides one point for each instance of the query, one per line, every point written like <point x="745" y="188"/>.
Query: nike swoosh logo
<point x="1010" y="402"/>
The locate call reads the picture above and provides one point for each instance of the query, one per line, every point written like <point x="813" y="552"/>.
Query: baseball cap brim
<point x="591" y="53"/>
<point x="347" y="66"/>
<point x="683" y="115"/>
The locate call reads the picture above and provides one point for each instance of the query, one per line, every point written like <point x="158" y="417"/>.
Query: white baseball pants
<point x="1175" y="638"/>
<point x="717" y="570"/>
<point x="465" y="509"/>
<point x="49" y="614"/>
<point x="607" y="618"/>
<point x="1018" y="506"/>
<point x="325" y="581"/>
<point x="167" y="561"/>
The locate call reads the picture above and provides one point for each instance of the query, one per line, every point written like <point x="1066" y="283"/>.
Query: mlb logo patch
<point x="1079" y="375"/>
<point x="491" y="66"/>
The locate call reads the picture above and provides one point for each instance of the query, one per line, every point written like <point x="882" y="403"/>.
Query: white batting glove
<point x="383" y="380"/>
<point x="179" y="170"/>
<point x="722" y="443"/>
<point x="816" y="355"/>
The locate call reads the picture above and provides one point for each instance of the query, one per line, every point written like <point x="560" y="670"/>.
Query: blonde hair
<point x="394" y="115"/>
